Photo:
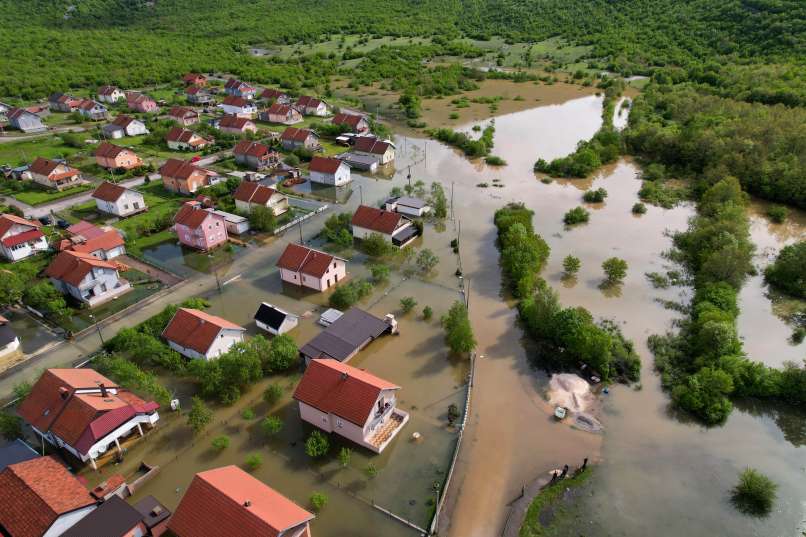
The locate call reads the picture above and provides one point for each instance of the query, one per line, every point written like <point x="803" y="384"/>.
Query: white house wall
<point x="67" y="521"/>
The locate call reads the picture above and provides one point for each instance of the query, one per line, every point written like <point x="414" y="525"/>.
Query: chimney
<point x="103" y="390"/>
<point x="344" y="375"/>
<point x="247" y="503"/>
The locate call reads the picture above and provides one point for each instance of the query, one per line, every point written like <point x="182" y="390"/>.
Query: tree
<point x="291" y="160"/>
<point x="10" y="426"/>
<point x="220" y="443"/>
<point x="248" y="414"/>
<point x="318" y="501"/>
<point x="458" y="332"/>
<point x="380" y="273"/>
<point x="615" y="270"/>
<point x="427" y="313"/>
<point x="262" y="219"/>
<point x="344" y="457"/>
<point x="788" y="272"/>
<point x="317" y="444"/>
<point x="44" y="297"/>
<point x="407" y="304"/>
<point x="571" y="265"/>
<point x="426" y="261"/>
<point x="595" y="196"/>
<point x="755" y="493"/>
<point x="199" y="416"/>
<point x="272" y="394"/>
<point x="254" y="461"/>
<point x="577" y="215"/>
<point x="376" y="246"/>
<point x="271" y="425"/>
<point x="12" y="288"/>
<point x="439" y="202"/>
<point x="283" y="354"/>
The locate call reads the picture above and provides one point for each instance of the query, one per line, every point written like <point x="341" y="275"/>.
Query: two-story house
<point x="93" y="110"/>
<point x="381" y="150"/>
<point x="20" y="238"/>
<point x="270" y="95"/>
<point x="194" y="79"/>
<point x="294" y="138"/>
<point x="54" y="173"/>
<point x="254" y="155"/>
<point x="306" y="267"/>
<point x="199" y="335"/>
<point x="392" y="226"/>
<point x="281" y="113"/>
<point x="180" y="139"/>
<point x="236" y="88"/>
<point x="198" y="228"/>
<point x="114" y="157"/>
<point x="106" y="245"/>
<point x="184" y="177"/>
<point x="139" y="102"/>
<point x="25" y="121"/>
<point x="329" y="171"/>
<point x="311" y="106"/>
<point x="357" y="124"/>
<point x="183" y="115"/>
<point x="124" y="125"/>
<point x="86" y="278"/>
<point x="61" y="102"/>
<point x="198" y="95"/>
<point x="238" y="106"/>
<point x="249" y="195"/>
<point x="236" y="125"/>
<point x="110" y="94"/>
<point x="118" y="200"/>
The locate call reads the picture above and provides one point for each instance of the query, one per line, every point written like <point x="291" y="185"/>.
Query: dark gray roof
<point x="17" y="451"/>
<point x="152" y="511"/>
<point x="416" y="203"/>
<point x="7" y="335"/>
<point x="113" y="518"/>
<point x="405" y="234"/>
<point x="345" y="336"/>
<point x="270" y="315"/>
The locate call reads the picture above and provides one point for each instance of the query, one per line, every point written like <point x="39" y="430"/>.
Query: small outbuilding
<point x="274" y="320"/>
<point x="350" y="333"/>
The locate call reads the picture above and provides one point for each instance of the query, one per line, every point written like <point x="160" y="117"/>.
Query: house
<point x="357" y="124"/>
<point x="393" y="227"/>
<point x="194" y="79"/>
<point x="54" y="174"/>
<point x="20" y="238"/>
<point x="106" y="246"/>
<point x="113" y="518"/>
<point x="124" y="125"/>
<point x="281" y="113"/>
<point x="347" y="335"/>
<point x="85" y="413"/>
<point x="294" y="138"/>
<point x="197" y="334"/>
<point x="118" y="200"/>
<point x="236" y="88"/>
<point x="16" y="451"/>
<point x="274" y="320"/>
<point x="383" y="151"/>
<point x="9" y="342"/>
<point x="197" y="95"/>
<point x="183" y="115"/>
<point x="274" y="96"/>
<point x="41" y="498"/>
<point x="407" y="205"/>
<point x="254" y="155"/>
<point x="183" y="177"/>
<point x="114" y="157"/>
<point x="93" y="110"/>
<point x="61" y="102"/>
<point x="238" y="106"/>
<point x="110" y="94"/>
<point x="155" y="515"/>
<point x="310" y="268"/>
<point x="236" y="125"/>
<point x="236" y="503"/>
<point x="140" y="102"/>
<point x="86" y="278"/>
<point x="329" y="171"/>
<point x="180" y="139"/>
<point x="311" y="107"/>
<point x="25" y="121"/>
<point x="249" y="195"/>
<point x="197" y="228"/>
<point x="235" y="224"/>
<point x="350" y="402"/>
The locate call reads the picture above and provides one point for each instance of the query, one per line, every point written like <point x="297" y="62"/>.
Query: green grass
<point x="136" y="246"/>
<point x="33" y="194"/>
<point x="332" y="45"/>
<point x="25" y="151"/>
<point x="548" y="497"/>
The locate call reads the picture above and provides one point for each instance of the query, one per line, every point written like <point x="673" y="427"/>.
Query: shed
<point x="275" y="320"/>
<point x="350" y="333"/>
<point x="329" y="317"/>
<point x="236" y="225"/>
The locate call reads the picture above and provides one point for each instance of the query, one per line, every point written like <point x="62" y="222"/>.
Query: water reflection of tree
<point x="791" y="421"/>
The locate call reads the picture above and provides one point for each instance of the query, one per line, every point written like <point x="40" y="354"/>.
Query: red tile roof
<point x="295" y="134"/>
<point x="47" y="167"/>
<point x="194" y="329"/>
<point x="297" y="258"/>
<point x="234" y="503"/>
<point x="253" y="193"/>
<point x="107" y="191"/>
<point x="72" y="267"/>
<point x="252" y="149"/>
<point x="233" y="100"/>
<point x="107" y="241"/>
<point x="192" y="215"/>
<point x="269" y="93"/>
<point x="234" y="122"/>
<point x="347" y="119"/>
<point x="87" y="104"/>
<point x="376" y="219"/>
<point x="179" y="169"/>
<point x="368" y="144"/>
<point x="308" y="102"/>
<point x="20" y="238"/>
<point x="233" y="83"/>
<point x="192" y="90"/>
<point x="337" y="388"/>
<point x="123" y="120"/>
<point x="182" y="112"/>
<point x="191" y="78"/>
<point x="107" y="90"/>
<point x="325" y="164"/>
<point x="178" y="134"/>
<point x="85" y="229"/>
<point x="7" y="221"/>
<point x="278" y="109"/>
<point x="35" y="493"/>
<point x="107" y="150"/>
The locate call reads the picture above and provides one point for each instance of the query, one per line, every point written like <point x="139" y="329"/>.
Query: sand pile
<point x="571" y="391"/>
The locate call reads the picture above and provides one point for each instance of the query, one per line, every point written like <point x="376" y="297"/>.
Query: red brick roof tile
<point x="107" y="191"/>
<point x="107" y="241"/>
<point x="325" y="164"/>
<point x="295" y="134"/>
<point x="376" y="219"/>
<point x="248" y="192"/>
<point x="7" y="221"/>
<point x="194" y="329"/>
<point x="72" y="267"/>
<point x="298" y="258"/>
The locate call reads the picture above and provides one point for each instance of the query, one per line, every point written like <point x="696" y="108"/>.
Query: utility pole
<point x="452" y="183"/>
<point x="361" y="193"/>
<point x="300" y="233"/>
<point x="467" y="295"/>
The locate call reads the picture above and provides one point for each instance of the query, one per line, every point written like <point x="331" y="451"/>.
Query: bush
<point x="199" y="416"/>
<point x="595" y="196"/>
<point x="283" y="354"/>
<point x="577" y="215"/>
<point x="755" y="493"/>
<point x="371" y="471"/>
<point x="272" y="394"/>
<point x="427" y="313"/>
<point x="458" y="331"/>
<point x="639" y="208"/>
<point x="317" y="444"/>
<point x="220" y="443"/>
<point x="248" y="414"/>
<point x="523" y="252"/>
<point x="10" y="426"/>
<point x="271" y="425"/>
<point x="262" y="219"/>
<point x="407" y="304"/>
<point x="493" y="160"/>
<point x="571" y="265"/>
<point x="253" y="462"/>
<point x="346" y="295"/>
<point x="318" y="501"/>
<point x="376" y="246"/>
<point x="426" y="261"/>
<point x="380" y="273"/>
<point x="788" y="272"/>
<point x="345" y="454"/>
<point x="777" y="213"/>
<point x="615" y="270"/>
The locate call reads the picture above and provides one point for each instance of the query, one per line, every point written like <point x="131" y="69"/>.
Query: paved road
<point x="54" y="130"/>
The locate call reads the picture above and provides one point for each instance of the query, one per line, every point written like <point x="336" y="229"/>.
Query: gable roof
<point x="182" y="112"/>
<point x="113" y="518"/>
<point x="376" y="219"/>
<point x="185" y="136"/>
<point x="153" y="511"/>
<point x="107" y="150"/>
<point x="192" y="90"/>
<point x="179" y="169"/>
<point x="252" y="149"/>
<point x="46" y="167"/>
<point x="234" y="503"/>
<point x="278" y="109"/>
<point x="191" y="214"/>
<point x="345" y="336"/>
<point x="85" y="229"/>
<point x="108" y="240"/>
<point x="233" y="122"/>
<point x="271" y="315"/>
<point x="71" y="267"/>
<point x="297" y="135"/>
<point x="369" y="144"/>
<point x="298" y="258"/>
<point x="107" y="191"/>
<point x="308" y="102"/>
<point x="337" y="388"/>
<point x="347" y="119"/>
<point x="325" y="164"/>
<point x="234" y="83"/>
<point x="249" y="192"/>
<point x="123" y="120"/>
<point x="234" y="100"/>
<point x="88" y="104"/>
<point x="35" y="493"/>
<point x="7" y="221"/>
<point x="270" y="93"/>
<point x="193" y="77"/>
<point x="107" y="90"/>
<point x="195" y="329"/>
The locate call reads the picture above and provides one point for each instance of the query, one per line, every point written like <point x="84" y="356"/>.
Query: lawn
<point x="146" y="151"/>
<point x="33" y="194"/>
<point x="135" y="247"/>
<point x="25" y="151"/>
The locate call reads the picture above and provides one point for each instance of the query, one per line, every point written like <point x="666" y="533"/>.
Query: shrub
<point x="639" y="208"/>
<point x="615" y="270"/>
<point x="248" y="414"/>
<point x="777" y="213"/>
<point x="345" y="454"/>
<point x="571" y="265"/>
<point x="220" y="443"/>
<point x="426" y="261"/>
<point x="272" y="394"/>
<point x="271" y="425"/>
<point x="262" y="219"/>
<point x="493" y="160"/>
<point x="346" y="295"/>
<point x="380" y="273"/>
<point x="10" y="426"/>
<point x="788" y="272"/>
<point x="407" y="304"/>
<point x="253" y="462"/>
<point x="427" y="313"/>
<point x="318" y="501"/>
<point x="376" y="246"/>
<point x="595" y="196"/>
<point x="282" y="355"/>
<point x="577" y="215"/>
<point x="199" y="416"/>
<point x="755" y="493"/>
<point x="371" y="471"/>
<point x="317" y="444"/>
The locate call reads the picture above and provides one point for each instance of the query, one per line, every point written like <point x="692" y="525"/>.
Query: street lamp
<point x="97" y="327"/>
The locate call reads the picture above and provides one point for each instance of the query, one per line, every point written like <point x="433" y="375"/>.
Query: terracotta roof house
<point x="350" y="402"/>
<point x="124" y="125"/>
<point x="196" y="227"/>
<point x="115" y="199"/>
<point x="54" y="173"/>
<point x="110" y="94"/>
<point x="392" y="226"/>
<point x="275" y="96"/>
<point x="195" y="79"/>
<point x="236" y="88"/>
<point x="198" y="95"/>
<point x="357" y="124"/>
<point x="199" y="335"/>
<point x="383" y="151"/>
<point x="238" y="106"/>
<point x="41" y="498"/>
<point x="86" y="278"/>
<point x="293" y="138"/>
<point x="61" y="102"/>
<point x="184" y="177"/>
<point x="140" y="102"/>
<point x="311" y="106"/>
<point x="85" y="413"/>
<point x="9" y="343"/>
<point x="20" y="238"/>
<point x="236" y="503"/>
<point x="25" y="121"/>
<point x="180" y="139"/>
<point x="93" y="110"/>
<point x="183" y="115"/>
<point x="254" y="155"/>
<point x="85" y="229"/>
<point x="329" y="171"/>
<point x="114" y="157"/>
<point x="281" y="113"/>
<point x="310" y="268"/>
<point x="113" y="518"/>
<point x="108" y="245"/>
<point x="249" y="195"/>
<point x="236" y="125"/>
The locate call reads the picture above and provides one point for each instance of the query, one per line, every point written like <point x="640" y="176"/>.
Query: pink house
<point x="140" y="102"/>
<point x="198" y="228"/>
<point x="311" y="268"/>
